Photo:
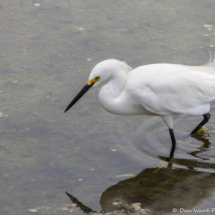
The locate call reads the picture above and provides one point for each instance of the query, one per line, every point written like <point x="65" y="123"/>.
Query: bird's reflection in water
<point x="162" y="189"/>
<point x="202" y="153"/>
<point x="83" y="207"/>
<point x="204" y="148"/>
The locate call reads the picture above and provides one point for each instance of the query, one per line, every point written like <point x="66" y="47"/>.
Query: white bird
<point x="162" y="90"/>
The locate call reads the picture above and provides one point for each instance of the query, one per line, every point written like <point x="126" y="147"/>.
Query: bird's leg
<point x="173" y="144"/>
<point x="168" y="119"/>
<point x="204" y="121"/>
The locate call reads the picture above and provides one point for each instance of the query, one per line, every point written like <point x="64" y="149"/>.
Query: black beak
<point x="80" y="94"/>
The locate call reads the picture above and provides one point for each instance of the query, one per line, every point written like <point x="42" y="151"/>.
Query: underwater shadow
<point x="163" y="188"/>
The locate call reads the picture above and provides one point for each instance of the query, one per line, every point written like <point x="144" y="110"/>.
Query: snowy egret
<point x="161" y="90"/>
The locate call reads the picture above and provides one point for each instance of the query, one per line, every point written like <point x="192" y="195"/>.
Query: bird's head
<point x="101" y="72"/>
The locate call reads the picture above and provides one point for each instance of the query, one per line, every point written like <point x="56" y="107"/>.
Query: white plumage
<point x="158" y="89"/>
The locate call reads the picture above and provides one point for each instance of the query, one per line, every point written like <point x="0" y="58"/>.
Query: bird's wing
<point x="172" y="89"/>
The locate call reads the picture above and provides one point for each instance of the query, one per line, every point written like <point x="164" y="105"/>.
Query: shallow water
<point x="47" y="50"/>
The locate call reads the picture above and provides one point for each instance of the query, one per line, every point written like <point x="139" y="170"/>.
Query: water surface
<point x="48" y="49"/>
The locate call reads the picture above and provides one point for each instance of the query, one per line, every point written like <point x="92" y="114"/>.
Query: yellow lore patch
<point x="93" y="80"/>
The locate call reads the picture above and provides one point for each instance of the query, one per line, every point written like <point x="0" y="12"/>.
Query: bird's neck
<point x="110" y="92"/>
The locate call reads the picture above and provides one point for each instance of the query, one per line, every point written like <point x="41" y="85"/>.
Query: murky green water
<point x="47" y="50"/>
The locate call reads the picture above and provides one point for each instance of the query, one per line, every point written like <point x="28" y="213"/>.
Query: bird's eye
<point x="97" y="78"/>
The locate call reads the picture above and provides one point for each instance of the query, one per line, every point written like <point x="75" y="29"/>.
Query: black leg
<point x="173" y="144"/>
<point x="204" y="121"/>
<point x="172" y="136"/>
<point x="172" y="151"/>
